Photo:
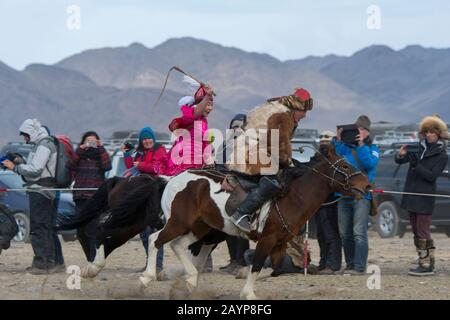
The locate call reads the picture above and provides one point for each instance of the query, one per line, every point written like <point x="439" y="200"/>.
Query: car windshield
<point x="304" y="154"/>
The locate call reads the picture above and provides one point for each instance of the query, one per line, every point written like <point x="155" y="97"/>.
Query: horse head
<point x="344" y="177"/>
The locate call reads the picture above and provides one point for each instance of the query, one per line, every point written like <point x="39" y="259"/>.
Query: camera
<point x="349" y="133"/>
<point x="413" y="148"/>
<point x="128" y="146"/>
<point x="91" y="144"/>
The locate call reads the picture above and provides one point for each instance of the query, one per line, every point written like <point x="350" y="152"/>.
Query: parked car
<point x="16" y="147"/>
<point x="17" y="202"/>
<point x="391" y="220"/>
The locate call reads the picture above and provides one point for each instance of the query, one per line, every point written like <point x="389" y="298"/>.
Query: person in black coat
<point x="425" y="166"/>
<point x="326" y="219"/>
<point x="237" y="246"/>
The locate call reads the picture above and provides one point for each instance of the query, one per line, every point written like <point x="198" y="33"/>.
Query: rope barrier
<point x="46" y="189"/>
<point x="381" y="191"/>
<point x="410" y="193"/>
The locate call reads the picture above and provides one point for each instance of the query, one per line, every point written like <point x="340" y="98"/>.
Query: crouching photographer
<point x="38" y="173"/>
<point x="425" y="165"/>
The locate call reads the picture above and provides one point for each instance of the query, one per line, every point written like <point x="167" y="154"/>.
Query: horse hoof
<point x="90" y="271"/>
<point x="145" y="280"/>
<point x="191" y="282"/>
<point x="248" y="296"/>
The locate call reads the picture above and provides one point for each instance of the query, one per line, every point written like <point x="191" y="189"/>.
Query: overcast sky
<point x="37" y="30"/>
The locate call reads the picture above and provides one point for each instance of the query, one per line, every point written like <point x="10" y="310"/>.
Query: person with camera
<point x="39" y="173"/>
<point x="150" y="157"/>
<point x="425" y="166"/>
<point x="88" y="166"/>
<point x="353" y="215"/>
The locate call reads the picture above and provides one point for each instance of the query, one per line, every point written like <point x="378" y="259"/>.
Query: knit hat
<point x="434" y="122"/>
<point x="363" y="122"/>
<point x="146" y="133"/>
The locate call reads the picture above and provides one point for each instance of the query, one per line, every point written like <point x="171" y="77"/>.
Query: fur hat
<point x="434" y="122"/>
<point x="301" y="100"/>
<point x="363" y="122"/>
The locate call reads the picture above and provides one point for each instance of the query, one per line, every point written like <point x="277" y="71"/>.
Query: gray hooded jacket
<point x="41" y="162"/>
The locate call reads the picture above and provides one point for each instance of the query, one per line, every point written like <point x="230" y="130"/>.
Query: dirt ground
<point x="119" y="279"/>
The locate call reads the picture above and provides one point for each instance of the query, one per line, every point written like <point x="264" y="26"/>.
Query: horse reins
<point x="346" y="186"/>
<point x="347" y="176"/>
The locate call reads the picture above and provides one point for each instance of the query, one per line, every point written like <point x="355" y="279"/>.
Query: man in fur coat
<point x="425" y="167"/>
<point x="253" y="148"/>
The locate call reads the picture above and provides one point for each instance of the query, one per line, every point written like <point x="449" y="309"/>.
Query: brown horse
<point x="194" y="204"/>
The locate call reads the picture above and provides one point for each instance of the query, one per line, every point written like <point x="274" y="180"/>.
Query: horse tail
<point x="142" y="201"/>
<point x="93" y="208"/>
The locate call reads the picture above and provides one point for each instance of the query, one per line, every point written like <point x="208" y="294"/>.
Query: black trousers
<point x="42" y="221"/>
<point x="59" y="257"/>
<point x="328" y="238"/>
<point x="236" y="248"/>
<point x="86" y="233"/>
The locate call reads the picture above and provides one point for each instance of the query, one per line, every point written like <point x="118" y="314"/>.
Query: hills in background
<point x="113" y="89"/>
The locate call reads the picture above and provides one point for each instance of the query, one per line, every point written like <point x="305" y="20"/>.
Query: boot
<point x="229" y="268"/>
<point x="416" y="244"/>
<point x="267" y="188"/>
<point x="425" y="251"/>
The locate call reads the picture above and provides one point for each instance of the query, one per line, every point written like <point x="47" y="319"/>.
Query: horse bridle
<point x="337" y="169"/>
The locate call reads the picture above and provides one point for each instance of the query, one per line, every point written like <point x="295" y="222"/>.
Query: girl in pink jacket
<point x="192" y="149"/>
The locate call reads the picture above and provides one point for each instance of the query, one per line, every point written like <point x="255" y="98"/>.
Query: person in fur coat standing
<point x="425" y="166"/>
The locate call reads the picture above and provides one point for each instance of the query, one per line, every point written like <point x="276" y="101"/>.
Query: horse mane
<point x="138" y="199"/>
<point x="298" y="170"/>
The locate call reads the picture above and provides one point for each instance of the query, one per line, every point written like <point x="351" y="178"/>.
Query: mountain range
<point x="112" y="89"/>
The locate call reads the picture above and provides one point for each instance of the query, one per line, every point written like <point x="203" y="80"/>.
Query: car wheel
<point x="386" y="222"/>
<point x="23" y="222"/>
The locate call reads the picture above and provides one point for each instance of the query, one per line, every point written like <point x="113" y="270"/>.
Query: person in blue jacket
<point x="353" y="215"/>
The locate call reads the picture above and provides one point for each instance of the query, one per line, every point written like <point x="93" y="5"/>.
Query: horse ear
<point x="331" y="150"/>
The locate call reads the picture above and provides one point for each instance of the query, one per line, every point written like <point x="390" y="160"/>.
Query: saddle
<point x="239" y="184"/>
<point x="236" y="183"/>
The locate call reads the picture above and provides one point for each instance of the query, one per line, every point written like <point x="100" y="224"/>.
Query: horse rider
<point x="194" y="118"/>
<point x="280" y="113"/>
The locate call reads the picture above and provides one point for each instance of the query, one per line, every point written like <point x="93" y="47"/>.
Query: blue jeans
<point x="353" y="216"/>
<point x="144" y="238"/>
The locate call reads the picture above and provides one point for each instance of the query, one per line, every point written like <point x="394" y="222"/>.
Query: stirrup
<point x="239" y="226"/>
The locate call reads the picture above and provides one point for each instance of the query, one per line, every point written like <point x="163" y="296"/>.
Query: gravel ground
<point x="119" y="279"/>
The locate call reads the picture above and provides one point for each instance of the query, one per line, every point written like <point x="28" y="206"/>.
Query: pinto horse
<point x="194" y="205"/>
<point x="120" y="209"/>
